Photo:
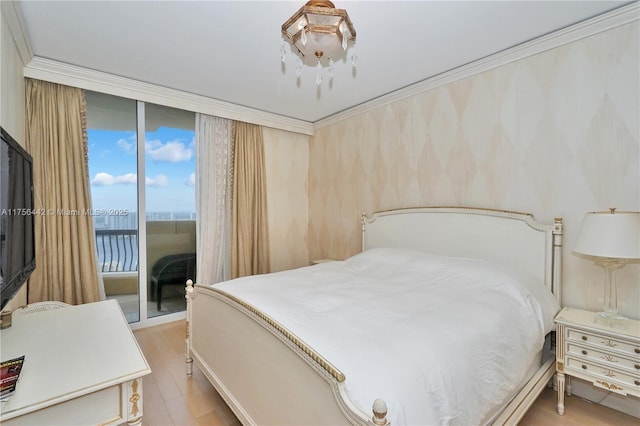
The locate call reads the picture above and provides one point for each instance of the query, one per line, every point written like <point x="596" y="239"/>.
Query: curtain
<point x="213" y="162"/>
<point x="250" y="237"/>
<point x="66" y="259"/>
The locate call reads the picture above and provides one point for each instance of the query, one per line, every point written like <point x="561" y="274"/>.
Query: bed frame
<point x="269" y="376"/>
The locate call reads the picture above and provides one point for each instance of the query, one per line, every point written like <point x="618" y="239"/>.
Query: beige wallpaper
<point x="12" y="99"/>
<point x="555" y="134"/>
<point x="287" y="164"/>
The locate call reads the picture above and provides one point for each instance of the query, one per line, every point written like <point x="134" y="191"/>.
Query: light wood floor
<point x="170" y="398"/>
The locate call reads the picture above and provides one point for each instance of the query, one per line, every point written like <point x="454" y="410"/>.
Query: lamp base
<point x="612" y="319"/>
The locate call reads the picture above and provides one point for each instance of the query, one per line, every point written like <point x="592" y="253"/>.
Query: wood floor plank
<point x="578" y="412"/>
<point x="171" y="398"/>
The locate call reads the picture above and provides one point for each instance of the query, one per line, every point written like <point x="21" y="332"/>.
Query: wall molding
<point x="613" y="19"/>
<point x="88" y="79"/>
<point x="16" y="25"/>
<point x="62" y="73"/>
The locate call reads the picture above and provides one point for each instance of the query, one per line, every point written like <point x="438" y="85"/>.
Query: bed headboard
<point x="494" y="235"/>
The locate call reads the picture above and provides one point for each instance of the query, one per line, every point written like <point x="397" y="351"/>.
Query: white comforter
<point x="441" y="340"/>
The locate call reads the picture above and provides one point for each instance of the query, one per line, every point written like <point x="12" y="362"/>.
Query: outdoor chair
<point x="174" y="269"/>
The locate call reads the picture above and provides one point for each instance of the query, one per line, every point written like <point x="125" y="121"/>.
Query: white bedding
<point x="441" y="340"/>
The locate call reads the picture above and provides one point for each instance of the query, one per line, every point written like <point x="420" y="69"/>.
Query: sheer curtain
<point x="66" y="258"/>
<point x="213" y="161"/>
<point x="250" y="236"/>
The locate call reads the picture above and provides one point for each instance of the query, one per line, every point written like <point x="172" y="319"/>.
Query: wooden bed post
<point x="188" y="294"/>
<point x="380" y="413"/>
<point x="557" y="256"/>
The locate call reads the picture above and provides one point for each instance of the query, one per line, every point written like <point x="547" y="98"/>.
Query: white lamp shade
<point x="612" y="235"/>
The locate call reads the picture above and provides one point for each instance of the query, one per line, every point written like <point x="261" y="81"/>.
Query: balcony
<point x="118" y="262"/>
<point x="117" y="250"/>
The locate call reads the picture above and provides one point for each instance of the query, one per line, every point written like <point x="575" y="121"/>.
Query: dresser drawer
<point x="606" y="343"/>
<point x="609" y="378"/>
<point x="588" y="354"/>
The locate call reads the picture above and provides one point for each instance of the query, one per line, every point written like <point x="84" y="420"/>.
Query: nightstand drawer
<point x="588" y="354"/>
<point x="605" y="343"/>
<point x="609" y="378"/>
<point x="601" y="352"/>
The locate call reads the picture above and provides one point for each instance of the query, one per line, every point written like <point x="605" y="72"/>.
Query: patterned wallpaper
<point x="554" y="134"/>
<point x="287" y="165"/>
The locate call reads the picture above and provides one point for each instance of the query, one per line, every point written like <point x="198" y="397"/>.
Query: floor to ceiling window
<point x="145" y="228"/>
<point x="112" y="141"/>
<point x="170" y="206"/>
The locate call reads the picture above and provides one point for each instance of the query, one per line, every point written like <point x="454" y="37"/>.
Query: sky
<point x="169" y="170"/>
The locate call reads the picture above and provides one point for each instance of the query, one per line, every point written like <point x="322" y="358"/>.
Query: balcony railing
<point x="117" y="250"/>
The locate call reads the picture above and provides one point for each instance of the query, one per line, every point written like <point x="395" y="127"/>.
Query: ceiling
<point x="230" y="50"/>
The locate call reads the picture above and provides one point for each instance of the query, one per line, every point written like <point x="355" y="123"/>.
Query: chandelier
<point x="320" y="34"/>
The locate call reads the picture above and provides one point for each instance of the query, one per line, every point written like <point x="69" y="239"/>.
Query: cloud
<point x="105" y="179"/>
<point x="160" y="180"/>
<point x="191" y="181"/>
<point x="172" y="152"/>
<point x="152" y="144"/>
<point x="128" y="147"/>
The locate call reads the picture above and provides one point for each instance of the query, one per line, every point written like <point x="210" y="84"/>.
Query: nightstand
<point x="607" y="356"/>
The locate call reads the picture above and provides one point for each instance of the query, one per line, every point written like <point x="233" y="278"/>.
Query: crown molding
<point x="58" y="72"/>
<point x="613" y="19"/>
<point x="98" y="81"/>
<point x="15" y="22"/>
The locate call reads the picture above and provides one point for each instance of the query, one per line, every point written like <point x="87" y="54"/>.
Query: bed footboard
<point x="263" y="372"/>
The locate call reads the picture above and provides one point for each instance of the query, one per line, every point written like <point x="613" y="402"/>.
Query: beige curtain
<point x="250" y="236"/>
<point x="66" y="259"/>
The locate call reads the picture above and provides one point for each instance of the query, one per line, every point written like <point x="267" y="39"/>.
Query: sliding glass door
<point x="145" y="227"/>
<point x="170" y="206"/>
<point x="112" y="141"/>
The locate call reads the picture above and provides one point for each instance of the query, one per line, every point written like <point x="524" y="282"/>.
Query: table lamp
<point x="611" y="239"/>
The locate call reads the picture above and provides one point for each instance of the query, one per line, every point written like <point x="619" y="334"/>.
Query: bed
<point x="396" y="334"/>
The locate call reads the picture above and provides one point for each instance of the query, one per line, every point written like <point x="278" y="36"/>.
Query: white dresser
<point x="607" y="356"/>
<point x="82" y="366"/>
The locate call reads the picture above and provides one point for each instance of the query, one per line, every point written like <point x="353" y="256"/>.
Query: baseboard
<point x="628" y="405"/>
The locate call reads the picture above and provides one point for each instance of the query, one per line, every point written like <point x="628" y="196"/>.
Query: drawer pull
<point x="637" y="350"/>
<point x="584" y="352"/>
<point x="609" y="386"/>
<point x="637" y="382"/>
<point x="637" y="366"/>
<point x="584" y="367"/>
<point x="584" y="337"/>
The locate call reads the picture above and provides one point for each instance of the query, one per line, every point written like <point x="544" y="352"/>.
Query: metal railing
<point x="117" y="250"/>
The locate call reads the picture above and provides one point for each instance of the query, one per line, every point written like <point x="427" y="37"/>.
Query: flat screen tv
<point x="17" y="238"/>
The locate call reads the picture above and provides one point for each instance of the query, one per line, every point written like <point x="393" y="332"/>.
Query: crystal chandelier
<point x="320" y="34"/>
